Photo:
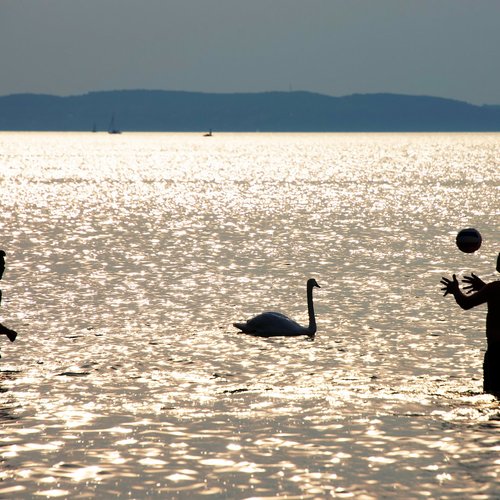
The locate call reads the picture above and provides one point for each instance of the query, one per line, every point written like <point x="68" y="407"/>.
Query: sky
<point x="444" y="48"/>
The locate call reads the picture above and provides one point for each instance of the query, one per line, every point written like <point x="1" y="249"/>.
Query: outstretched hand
<point x="474" y="283"/>
<point x="450" y="286"/>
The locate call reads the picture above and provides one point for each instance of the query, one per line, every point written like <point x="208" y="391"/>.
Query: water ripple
<point x="129" y="259"/>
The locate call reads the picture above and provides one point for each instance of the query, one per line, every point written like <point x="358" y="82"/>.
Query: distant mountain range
<point x="156" y="110"/>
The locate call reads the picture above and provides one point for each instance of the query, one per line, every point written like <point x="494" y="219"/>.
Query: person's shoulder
<point x="494" y="286"/>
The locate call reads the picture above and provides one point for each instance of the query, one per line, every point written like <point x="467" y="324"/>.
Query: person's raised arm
<point x="464" y="301"/>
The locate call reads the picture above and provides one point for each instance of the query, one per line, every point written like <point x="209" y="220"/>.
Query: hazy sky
<point x="447" y="48"/>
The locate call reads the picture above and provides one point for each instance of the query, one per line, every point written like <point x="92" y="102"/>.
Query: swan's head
<point x="312" y="283"/>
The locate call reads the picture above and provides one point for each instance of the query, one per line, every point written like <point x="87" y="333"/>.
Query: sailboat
<point x="112" y="128"/>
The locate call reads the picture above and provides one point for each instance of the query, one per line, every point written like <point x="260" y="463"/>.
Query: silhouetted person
<point x="479" y="292"/>
<point x="11" y="334"/>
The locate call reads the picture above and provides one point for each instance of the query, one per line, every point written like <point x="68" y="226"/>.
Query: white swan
<point x="271" y="324"/>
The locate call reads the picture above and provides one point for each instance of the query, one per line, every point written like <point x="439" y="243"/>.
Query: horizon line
<point x="403" y="94"/>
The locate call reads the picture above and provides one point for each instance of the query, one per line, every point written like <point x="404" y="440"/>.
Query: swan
<point x="272" y="324"/>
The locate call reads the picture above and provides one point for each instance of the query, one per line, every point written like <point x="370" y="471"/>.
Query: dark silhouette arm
<point x="466" y="301"/>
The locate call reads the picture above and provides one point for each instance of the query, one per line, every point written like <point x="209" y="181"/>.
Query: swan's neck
<point x="310" y="309"/>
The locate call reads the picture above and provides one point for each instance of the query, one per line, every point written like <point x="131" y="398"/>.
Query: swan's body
<point x="272" y="324"/>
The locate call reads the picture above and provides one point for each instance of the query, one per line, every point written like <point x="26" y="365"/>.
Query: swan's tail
<point x="242" y="326"/>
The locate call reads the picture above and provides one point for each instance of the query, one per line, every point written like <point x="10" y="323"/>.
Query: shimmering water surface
<point x="128" y="258"/>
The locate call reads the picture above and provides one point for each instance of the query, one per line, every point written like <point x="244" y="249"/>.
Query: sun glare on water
<point x="129" y="257"/>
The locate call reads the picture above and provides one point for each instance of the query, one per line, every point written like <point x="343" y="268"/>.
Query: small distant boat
<point x="112" y="127"/>
<point x="208" y="134"/>
<point x="94" y="128"/>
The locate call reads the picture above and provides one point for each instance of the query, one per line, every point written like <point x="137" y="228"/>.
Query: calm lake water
<point x="129" y="257"/>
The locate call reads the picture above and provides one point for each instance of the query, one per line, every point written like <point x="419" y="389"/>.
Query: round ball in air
<point x="469" y="240"/>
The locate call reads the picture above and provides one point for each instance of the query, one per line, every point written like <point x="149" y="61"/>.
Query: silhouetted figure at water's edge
<point x="478" y="292"/>
<point x="11" y="334"/>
